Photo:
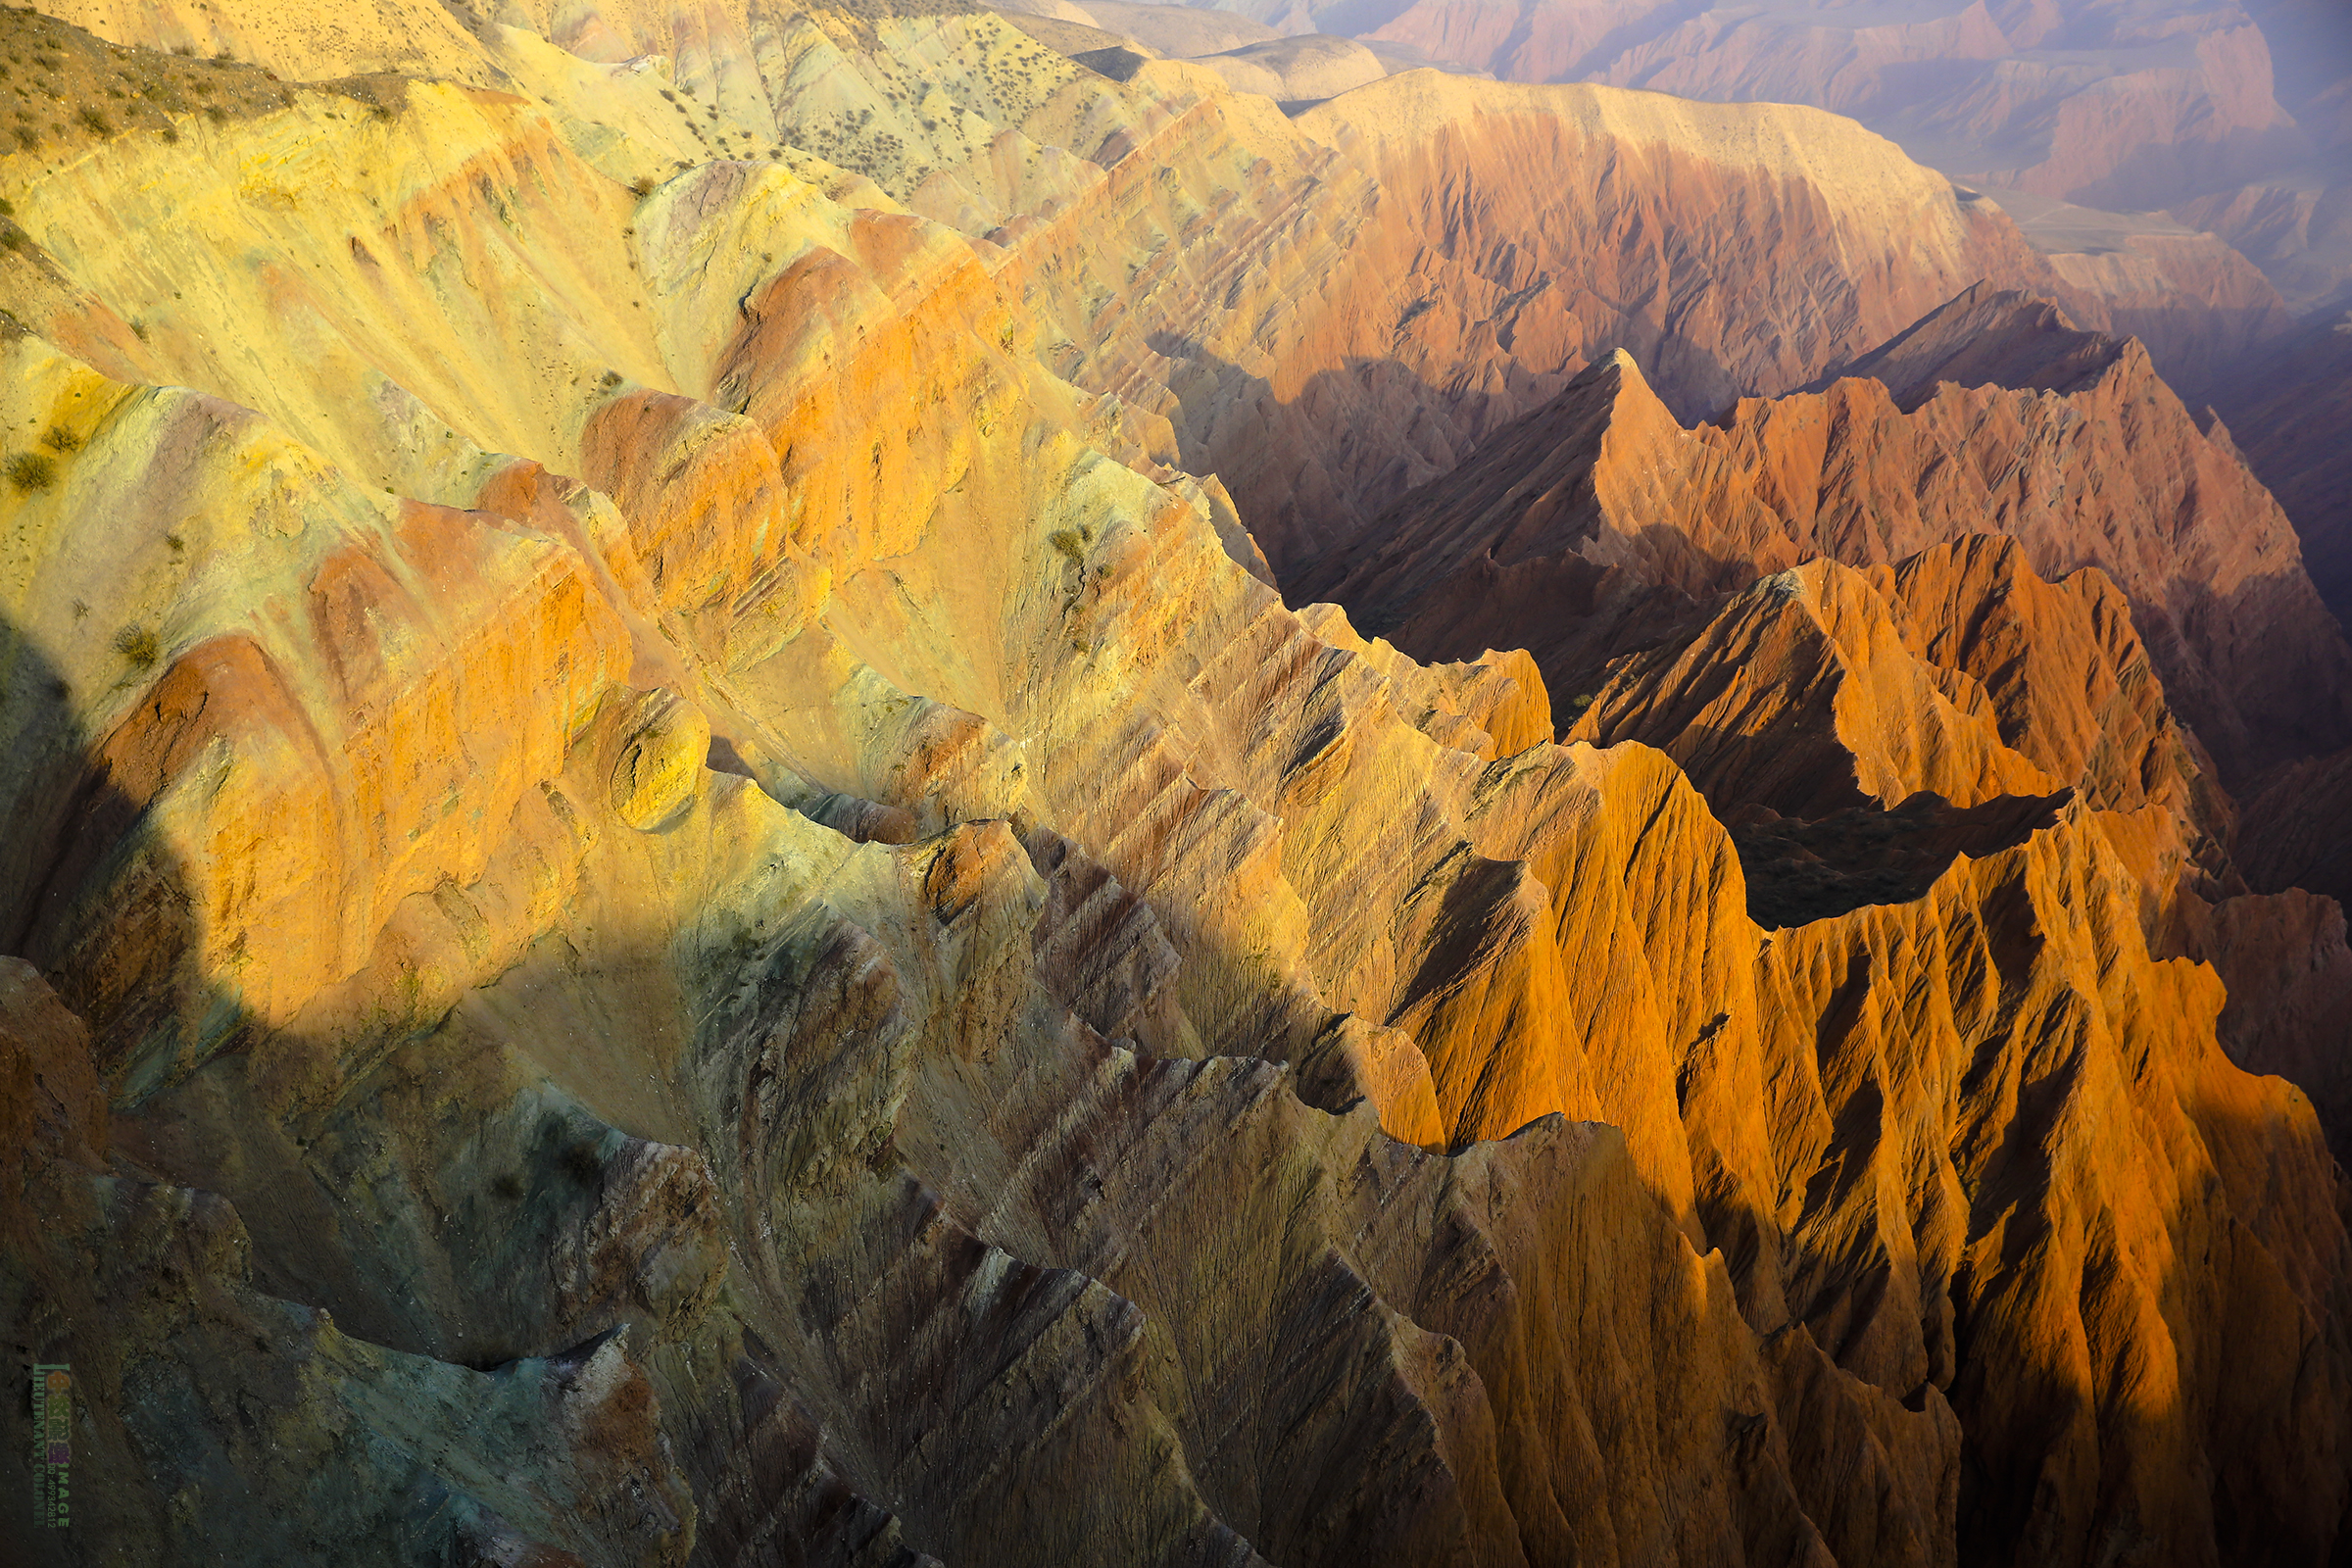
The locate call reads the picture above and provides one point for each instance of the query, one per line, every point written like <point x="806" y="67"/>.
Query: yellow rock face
<point x="660" y="745"/>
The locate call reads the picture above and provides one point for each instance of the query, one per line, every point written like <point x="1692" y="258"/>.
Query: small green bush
<point x="95" y="122"/>
<point x="138" y="647"/>
<point x="29" y="470"/>
<point x="57" y="438"/>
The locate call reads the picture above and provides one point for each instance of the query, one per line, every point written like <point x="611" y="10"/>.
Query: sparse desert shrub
<point x="31" y="470"/>
<point x="94" y="121"/>
<point x="641" y="185"/>
<point x="57" y="438"/>
<point x="138" y="646"/>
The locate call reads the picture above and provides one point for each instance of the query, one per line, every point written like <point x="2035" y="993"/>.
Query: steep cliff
<point x="1991" y="414"/>
<point x="2286" y="411"/>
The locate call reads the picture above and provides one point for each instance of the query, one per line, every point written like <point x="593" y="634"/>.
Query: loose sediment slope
<point x="680" y="908"/>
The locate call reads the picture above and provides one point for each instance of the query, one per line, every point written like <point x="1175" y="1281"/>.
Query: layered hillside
<point x="1327" y="309"/>
<point x="2231" y="115"/>
<point x="1854" y="742"/>
<point x="1991" y="414"/>
<point x="675" y="896"/>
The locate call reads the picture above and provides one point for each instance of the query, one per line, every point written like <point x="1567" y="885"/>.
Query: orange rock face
<point x="1440" y="292"/>
<point x="1990" y="414"/>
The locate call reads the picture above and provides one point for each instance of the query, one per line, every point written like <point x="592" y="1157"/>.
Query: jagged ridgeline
<point x="679" y="892"/>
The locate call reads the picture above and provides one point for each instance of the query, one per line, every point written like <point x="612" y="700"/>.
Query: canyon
<point x="893" y="784"/>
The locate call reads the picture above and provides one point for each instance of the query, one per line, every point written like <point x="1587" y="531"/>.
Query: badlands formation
<point x="889" y="784"/>
<point x="2233" y="114"/>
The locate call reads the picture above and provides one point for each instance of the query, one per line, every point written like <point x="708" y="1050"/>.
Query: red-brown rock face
<point x="1474" y="247"/>
<point x="2117" y="105"/>
<point x="2212" y="110"/>
<point x="1991" y="414"/>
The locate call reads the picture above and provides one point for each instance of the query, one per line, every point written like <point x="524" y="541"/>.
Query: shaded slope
<point x="1999" y="418"/>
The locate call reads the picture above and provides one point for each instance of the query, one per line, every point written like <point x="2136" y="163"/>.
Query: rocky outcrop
<point x="1817" y="660"/>
<point x="1991" y="414"/>
<point x="2283" y="958"/>
<point x="1463" y="260"/>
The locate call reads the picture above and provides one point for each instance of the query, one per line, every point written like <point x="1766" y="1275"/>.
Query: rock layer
<point x="1094" y="1066"/>
<point x="1992" y="414"/>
